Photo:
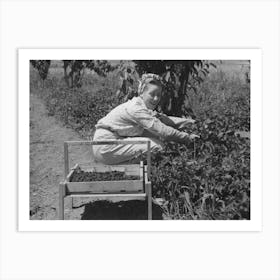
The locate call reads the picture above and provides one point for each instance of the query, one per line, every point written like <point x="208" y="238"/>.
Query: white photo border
<point x="254" y="55"/>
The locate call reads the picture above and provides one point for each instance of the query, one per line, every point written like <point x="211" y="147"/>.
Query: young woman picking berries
<point x="137" y="120"/>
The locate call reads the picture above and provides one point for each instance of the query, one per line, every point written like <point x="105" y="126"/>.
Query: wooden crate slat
<point x="116" y="195"/>
<point x="79" y="192"/>
<point x="69" y="176"/>
<point x="66" y="160"/>
<point x="128" y="169"/>
<point x="133" y="173"/>
<point x="105" y="186"/>
<point x="107" y="142"/>
<point x="141" y="171"/>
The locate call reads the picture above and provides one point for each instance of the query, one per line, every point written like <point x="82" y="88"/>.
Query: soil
<point x="47" y="136"/>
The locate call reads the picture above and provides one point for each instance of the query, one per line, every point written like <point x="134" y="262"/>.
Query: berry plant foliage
<point x="208" y="178"/>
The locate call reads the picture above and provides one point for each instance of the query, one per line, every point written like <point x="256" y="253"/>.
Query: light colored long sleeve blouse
<point x="132" y="118"/>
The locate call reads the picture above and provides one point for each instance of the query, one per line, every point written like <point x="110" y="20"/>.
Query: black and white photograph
<point x="140" y="139"/>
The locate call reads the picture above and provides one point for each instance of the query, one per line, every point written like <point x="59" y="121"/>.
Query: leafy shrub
<point x="80" y="108"/>
<point x="208" y="178"/>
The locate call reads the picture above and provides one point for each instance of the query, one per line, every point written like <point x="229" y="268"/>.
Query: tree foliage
<point x="74" y="70"/>
<point x="176" y="76"/>
<point x="179" y="76"/>
<point x="42" y="67"/>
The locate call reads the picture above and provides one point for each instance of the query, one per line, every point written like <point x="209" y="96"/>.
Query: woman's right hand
<point x="189" y="137"/>
<point x="193" y="136"/>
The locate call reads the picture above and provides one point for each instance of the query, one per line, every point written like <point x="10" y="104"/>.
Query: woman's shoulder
<point x="137" y="100"/>
<point x="135" y="104"/>
<point x="130" y="106"/>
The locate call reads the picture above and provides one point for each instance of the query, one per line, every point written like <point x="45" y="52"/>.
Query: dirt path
<point x="47" y="162"/>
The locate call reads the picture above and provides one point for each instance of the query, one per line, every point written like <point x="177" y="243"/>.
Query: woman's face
<point x="151" y="96"/>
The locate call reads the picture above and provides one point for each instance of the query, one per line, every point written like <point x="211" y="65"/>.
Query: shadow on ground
<point x="123" y="210"/>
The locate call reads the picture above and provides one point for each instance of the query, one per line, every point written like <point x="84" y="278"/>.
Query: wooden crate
<point x="133" y="189"/>
<point x="105" y="187"/>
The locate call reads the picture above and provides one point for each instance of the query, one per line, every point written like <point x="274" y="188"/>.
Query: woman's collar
<point x="143" y="103"/>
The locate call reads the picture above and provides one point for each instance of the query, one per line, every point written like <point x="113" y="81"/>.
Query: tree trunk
<point x="178" y="101"/>
<point x="66" y="77"/>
